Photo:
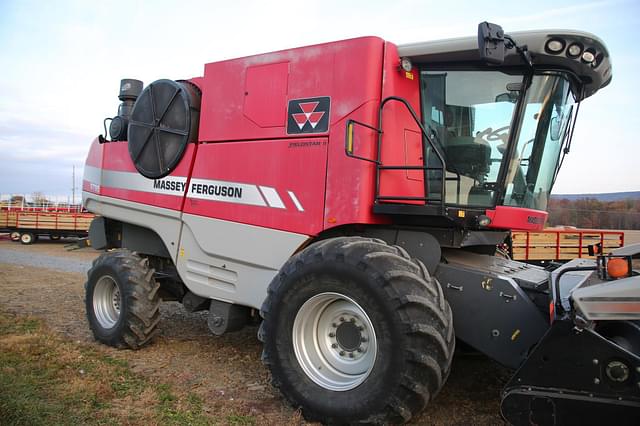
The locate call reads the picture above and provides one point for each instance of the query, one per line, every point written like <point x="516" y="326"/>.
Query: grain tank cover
<point x="164" y="120"/>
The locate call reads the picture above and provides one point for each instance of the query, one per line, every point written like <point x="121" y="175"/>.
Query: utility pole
<point x="73" y="188"/>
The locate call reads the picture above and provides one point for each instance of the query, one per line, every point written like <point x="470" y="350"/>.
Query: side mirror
<point x="507" y="97"/>
<point x="491" y="43"/>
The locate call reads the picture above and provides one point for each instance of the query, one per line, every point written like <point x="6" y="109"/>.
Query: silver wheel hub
<point x="106" y="302"/>
<point x="334" y="341"/>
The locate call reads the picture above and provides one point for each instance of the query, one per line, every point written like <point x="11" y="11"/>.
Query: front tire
<point x="122" y="301"/>
<point x="355" y="330"/>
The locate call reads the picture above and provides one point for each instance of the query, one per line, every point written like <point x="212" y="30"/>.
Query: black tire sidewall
<point x="366" y="290"/>
<point x="111" y="336"/>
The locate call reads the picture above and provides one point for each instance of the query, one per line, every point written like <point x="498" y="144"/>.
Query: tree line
<point x="593" y="213"/>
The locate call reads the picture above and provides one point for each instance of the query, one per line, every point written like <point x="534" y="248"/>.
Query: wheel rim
<point x="106" y="302"/>
<point x="26" y="238"/>
<point x="334" y="341"/>
<point x="15" y="236"/>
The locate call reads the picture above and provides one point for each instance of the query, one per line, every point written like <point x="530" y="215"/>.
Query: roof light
<point x="574" y="50"/>
<point x="555" y="46"/>
<point x="588" y="56"/>
<point x="405" y="64"/>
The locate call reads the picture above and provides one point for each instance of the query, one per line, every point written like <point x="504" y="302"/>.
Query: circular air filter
<point x="164" y="120"/>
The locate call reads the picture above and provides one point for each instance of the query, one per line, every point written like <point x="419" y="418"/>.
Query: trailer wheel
<point x="15" y="236"/>
<point x="355" y="330"/>
<point x="27" y="238"/>
<point x="122" y="301"/>
<point x="54" y="237"/>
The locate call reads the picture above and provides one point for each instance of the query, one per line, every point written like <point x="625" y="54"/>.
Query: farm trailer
<point x="26" y="224"/>
<point x="562" y="245"/>
<point x="353" y="194"/>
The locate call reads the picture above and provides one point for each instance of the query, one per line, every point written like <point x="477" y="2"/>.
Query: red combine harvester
<point x="353" y="193"/>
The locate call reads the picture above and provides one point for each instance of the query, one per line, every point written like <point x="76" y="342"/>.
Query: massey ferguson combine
<point x="350" y="196"/>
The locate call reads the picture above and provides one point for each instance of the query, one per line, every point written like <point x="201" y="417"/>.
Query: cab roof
<point x="591" y="77"/>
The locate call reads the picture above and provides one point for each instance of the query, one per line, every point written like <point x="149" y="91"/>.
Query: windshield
<point x="544" y="129"/>
<point x="471" y="114"/>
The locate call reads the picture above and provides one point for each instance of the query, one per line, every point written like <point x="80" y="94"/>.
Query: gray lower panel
<point x="165" y="222"/>
<point x="490" y="311"/>
<point x="230" y="261"/>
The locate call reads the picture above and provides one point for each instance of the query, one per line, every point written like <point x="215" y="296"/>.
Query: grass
<point x="46" y="380"/>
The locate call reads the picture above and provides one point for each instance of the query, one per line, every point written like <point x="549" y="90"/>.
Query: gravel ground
<point x="43" y="261"/>
<point x="226" y="372"/>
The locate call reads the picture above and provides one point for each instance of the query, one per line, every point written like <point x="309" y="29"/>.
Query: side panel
<point x="275" y="184"/>
<point x="250" y="99"/>
<point x="490" y="310"/>
<point x="246" y="98"/>
<point x="120" y="179"/>
<point x="401" y="138"/>
<point x="165" y="222"/>
<point x="236" y="262"/>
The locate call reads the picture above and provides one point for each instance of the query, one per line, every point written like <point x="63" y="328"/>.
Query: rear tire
<point x="15" y="236"/>
<point x="336" y="287"/>
<point x="27" y="238"/>
<point x="122" y="301"/>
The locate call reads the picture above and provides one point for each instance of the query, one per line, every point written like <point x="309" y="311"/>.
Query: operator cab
<point x="501" y="124"/>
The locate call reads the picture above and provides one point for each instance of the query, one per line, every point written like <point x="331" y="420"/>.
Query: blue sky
<point x="62" y="63"/>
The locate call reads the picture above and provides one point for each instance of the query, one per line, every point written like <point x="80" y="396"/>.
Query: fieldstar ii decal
<point x="309" y="115"/>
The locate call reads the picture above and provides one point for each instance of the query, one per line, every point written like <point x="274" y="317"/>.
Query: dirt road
<point x="225" y="372"/>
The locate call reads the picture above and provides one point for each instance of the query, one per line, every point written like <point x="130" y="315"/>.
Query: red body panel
<point x="133" y="186"/>
<point x="246" y="99"/>
<point x="251" y="164"/>
<point x="289" y="170"/>
<point x="402" y="139"/>
<point x="504" y="217"/>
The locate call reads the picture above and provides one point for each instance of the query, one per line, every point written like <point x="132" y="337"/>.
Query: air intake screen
<point x="164" y="120"/>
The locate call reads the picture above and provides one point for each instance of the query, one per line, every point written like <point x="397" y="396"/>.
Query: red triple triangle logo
<point x="308" y="114"/>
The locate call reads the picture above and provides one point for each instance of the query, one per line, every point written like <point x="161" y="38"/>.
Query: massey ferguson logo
<point x="309" y="115"/>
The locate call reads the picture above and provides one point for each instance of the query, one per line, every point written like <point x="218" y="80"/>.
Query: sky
<point x="61" y="63"/>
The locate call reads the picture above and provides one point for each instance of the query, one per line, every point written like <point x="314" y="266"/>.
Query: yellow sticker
<point x="409" y="75"/>
<point x="461" y="213"/>
<point x="181" y="252"/>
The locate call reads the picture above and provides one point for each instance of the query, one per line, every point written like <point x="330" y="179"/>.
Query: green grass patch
<point x="46" y="380"/>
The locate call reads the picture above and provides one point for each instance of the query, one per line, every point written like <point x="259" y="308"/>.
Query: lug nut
<point x="332" y="334"/>
<point x="351" y="355"/>
<point x="363" y="339"/>
<point x="334" y="346"/>
<point x="352" y="320"/>
<point x="341" y="319"/>
<point x="359" y="349"/>
<point x="334" y="325"/>
<point x="341" y="353"/>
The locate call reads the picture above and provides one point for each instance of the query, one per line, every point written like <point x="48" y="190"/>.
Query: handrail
<point x="425" y="137"/>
